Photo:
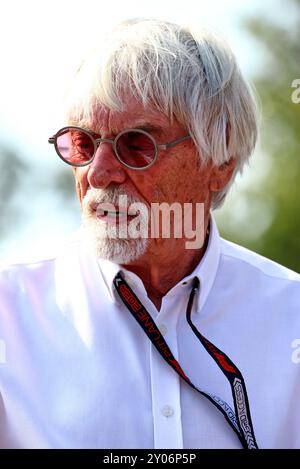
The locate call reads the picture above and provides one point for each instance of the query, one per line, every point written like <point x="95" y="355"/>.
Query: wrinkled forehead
<point x="102" y="118"/>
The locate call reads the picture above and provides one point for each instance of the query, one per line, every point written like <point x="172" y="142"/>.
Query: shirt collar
<point x="207" y="268"/>
<point x="206" y="272"/>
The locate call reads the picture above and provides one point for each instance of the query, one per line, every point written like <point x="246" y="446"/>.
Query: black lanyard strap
<point x="241" y="426"/>
<point x="232" y="373"/>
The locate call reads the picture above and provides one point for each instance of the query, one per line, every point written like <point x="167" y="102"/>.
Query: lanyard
<point x="240" y="420"/>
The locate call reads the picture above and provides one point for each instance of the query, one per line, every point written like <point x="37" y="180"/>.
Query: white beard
<point x="100" y="238"/>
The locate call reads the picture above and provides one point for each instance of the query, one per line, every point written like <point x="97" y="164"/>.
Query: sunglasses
<point x="134" y="148"/>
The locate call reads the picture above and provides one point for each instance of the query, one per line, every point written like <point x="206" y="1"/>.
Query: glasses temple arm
<point x="172" y="144"/>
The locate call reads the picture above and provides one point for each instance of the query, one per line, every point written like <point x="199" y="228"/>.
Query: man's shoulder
<point x="35" y="261"/>
<point x="251" y="262"/>
<point x="266" y="292"/>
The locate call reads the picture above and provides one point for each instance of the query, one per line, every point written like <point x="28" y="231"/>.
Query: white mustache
<point x="107" y="196"/>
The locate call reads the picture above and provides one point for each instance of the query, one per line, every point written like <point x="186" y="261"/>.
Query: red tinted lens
<point x="135" y="149"/>
<point x="75" y="146"/>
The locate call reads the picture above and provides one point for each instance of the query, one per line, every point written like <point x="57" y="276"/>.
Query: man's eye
<point x="82" y="143"/>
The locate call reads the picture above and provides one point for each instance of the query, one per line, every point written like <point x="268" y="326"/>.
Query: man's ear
<point x="221" y="175"/>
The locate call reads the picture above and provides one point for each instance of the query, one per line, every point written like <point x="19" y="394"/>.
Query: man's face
<point x="176" y="176"/>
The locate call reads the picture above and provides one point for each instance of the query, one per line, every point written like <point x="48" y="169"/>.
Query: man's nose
<point x="105" y="168"/>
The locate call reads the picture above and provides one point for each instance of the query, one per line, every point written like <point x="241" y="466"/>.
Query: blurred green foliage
<point x="276" y="197"/>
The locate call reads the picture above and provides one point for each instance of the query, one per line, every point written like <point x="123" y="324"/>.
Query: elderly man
<point x="130" y="337"/>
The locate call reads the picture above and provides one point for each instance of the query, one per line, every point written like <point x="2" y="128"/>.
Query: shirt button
<point x="167" y="411"/>
<point x="163" y="329"/>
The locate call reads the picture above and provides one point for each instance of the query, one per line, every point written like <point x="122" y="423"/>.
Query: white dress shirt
<point x="77" y="371"/>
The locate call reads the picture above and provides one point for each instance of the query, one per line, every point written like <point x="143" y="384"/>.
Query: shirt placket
<point x="165" y="384"/>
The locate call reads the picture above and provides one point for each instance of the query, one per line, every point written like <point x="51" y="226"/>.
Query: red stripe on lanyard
<point x="243" y="425"/>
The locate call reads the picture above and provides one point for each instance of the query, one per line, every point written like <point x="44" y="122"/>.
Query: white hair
<point x="186" y="73"/>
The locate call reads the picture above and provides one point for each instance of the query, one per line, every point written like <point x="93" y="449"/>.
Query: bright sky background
<point x="41" y="43"/>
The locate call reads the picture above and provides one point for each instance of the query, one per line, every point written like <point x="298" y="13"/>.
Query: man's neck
<point x="161" y="273"/>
